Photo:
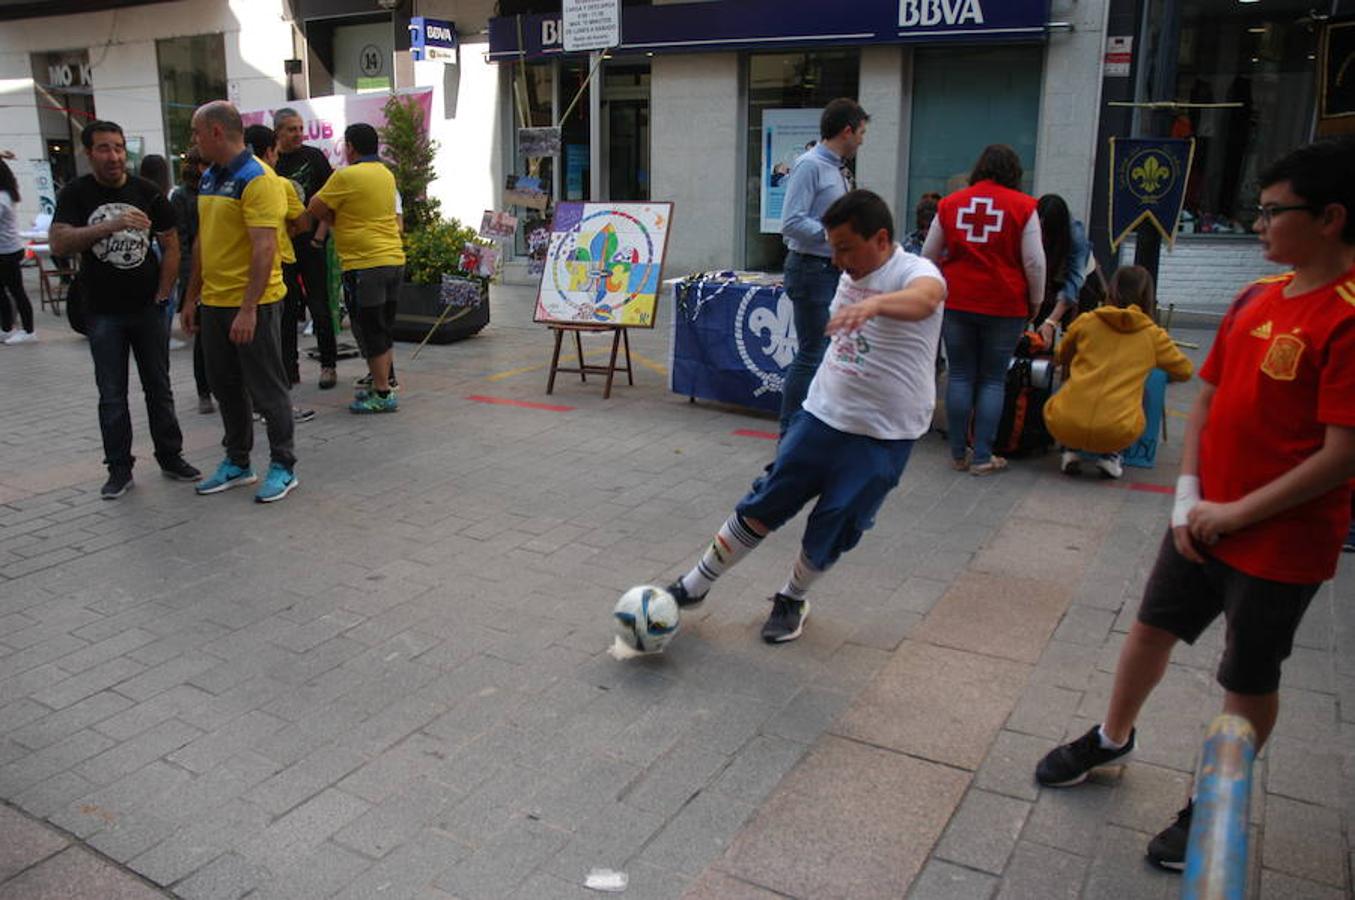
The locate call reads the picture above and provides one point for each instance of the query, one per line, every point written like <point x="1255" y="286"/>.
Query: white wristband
<point x="1187" y="495"/>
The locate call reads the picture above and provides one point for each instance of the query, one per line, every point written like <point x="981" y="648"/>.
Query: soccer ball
<point x="646" y="618"/>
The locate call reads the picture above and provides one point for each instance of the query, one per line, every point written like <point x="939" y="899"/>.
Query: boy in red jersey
<point x="1263" y="500"/>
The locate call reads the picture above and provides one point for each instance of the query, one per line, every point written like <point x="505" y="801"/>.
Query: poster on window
<point x="325" y="118"/>
<point x="1338" y="71"/>
<point x="787" y="134"/>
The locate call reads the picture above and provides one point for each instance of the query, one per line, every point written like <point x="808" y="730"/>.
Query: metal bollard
<point x="1216" y="855"/>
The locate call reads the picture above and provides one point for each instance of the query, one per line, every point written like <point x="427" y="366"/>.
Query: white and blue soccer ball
<point x="646" y="618"/>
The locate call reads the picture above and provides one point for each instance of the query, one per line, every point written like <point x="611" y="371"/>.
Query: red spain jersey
<point x="982" y="226"/>
<point x="1284" y="369"/>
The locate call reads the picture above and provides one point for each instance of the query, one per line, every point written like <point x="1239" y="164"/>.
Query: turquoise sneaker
<point x="372" y="402"/>
<point x="226" y="476"/>
<point x="278" y="483"/>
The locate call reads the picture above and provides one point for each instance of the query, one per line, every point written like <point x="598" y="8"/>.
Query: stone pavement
<point x="394" y="684"/>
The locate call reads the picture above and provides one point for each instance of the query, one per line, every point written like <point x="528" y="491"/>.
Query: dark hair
<point x="189" y="173"/>
<point x="87" y="133"/>
<point x="839" y="114"/>
<point x="155" y="168"/>
<point x="261" y="138"/>
<point x="926" y="210"/>
<point x="363" y="138"/>
<point x="999" y="163"/>
<point x="1320" y="173"/>
<point x="1056" y="233"/>
<point x="866" y="211"/>
<point x="9" y="184"/>
<point x="1133" y="285"/>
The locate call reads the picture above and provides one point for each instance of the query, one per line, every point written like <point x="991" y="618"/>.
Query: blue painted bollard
<point x="1216" y="855"/>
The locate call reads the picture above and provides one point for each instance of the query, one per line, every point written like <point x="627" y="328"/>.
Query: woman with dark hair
<point x="986" y="239"/>
<point x="1067" y="252"/>
<point x="184" y="199"/>
<point x="11" y="255"/>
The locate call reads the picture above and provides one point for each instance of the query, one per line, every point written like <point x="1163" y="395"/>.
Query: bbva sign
<point x="927" y="13"/>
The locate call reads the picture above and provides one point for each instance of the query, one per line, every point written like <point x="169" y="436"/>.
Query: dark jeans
<point x="311" y="265"/>
<point x="810" y="282"/>
<point x="979" y="349"/>
<point x="245" y="377"/>
<point x="112" y="336"/>
<point x="200" y="368"/>
<point x="12" y="283"/>
<point x="292" y="305"/>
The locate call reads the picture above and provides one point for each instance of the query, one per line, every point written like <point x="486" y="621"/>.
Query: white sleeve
<point x="1033" y="261"/>
<point x="399" y="204"/>
<point x="935" y="242"/>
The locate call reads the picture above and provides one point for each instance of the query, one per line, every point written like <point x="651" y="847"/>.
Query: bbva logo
<point x="927" y="13"/>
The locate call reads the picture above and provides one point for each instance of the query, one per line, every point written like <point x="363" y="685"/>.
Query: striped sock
<point x="732" y="542"/>
<point x="801" y="578"/>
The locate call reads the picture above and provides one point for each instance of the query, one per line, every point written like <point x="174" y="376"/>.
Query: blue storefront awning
<point x="763" y="24"/>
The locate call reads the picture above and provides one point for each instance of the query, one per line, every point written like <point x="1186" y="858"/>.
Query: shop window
<point x="963" y="100"/>
<point x="192" y="72"/>
<point x="786" y="82"/>
<point x="1261" y="58"/>
<point x="533" y="92"/>
<point x="351" y="54"/>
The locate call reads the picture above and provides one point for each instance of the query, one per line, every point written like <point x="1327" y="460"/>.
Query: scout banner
<point x="1148" y="183"/>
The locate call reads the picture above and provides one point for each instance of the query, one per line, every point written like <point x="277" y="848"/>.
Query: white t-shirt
<point x="880" y="381"/>
<point x="9" y="225"/>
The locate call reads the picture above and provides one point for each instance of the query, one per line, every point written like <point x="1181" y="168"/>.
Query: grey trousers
<point x="246" y="377"/>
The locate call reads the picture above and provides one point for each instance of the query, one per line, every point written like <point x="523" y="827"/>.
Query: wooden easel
<point x="619" y="339"/>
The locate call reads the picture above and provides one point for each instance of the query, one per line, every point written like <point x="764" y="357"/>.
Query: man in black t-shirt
<point x="109" y="217"/>
<point x="309" y="168"/>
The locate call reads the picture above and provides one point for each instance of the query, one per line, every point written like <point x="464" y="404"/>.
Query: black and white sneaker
<point x="179" y="469"/>
<point x="1070" y="764"/>
<point x="787" y="620"/>
<point x="301" y="414"/>
<point x="119" y="482"/>
<point x="1070" y="463"/>
<point x="1168" y="849"/>
<point x="684" y="599"/>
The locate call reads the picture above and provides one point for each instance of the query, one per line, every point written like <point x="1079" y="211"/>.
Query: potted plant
<point x="433" y="245"/>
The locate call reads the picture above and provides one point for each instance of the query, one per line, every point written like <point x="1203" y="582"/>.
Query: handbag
<point x="75" y="305"/>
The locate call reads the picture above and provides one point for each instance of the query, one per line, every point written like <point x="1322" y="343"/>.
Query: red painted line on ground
<point x="749" y="432"/>
<point x="504" y="401"/>
<point x="1150" y="488"/>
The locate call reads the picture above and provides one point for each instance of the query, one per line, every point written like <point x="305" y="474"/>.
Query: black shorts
<point x="371" y="295"/>
<point x="1183" y="597"/>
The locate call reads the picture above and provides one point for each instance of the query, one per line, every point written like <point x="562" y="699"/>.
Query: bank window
<point x="192" y="71"/>
<point x="1259" y="60"/>
<point x="797" y="86"/>
<point x="534" y="104"/>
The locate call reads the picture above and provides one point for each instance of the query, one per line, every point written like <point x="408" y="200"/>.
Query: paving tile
<point x="999" y="616"/>
<point x="75" y="869"/>
<point x="227" y="877"/>
<point x="1044" y="872"/>
<point x="937" y="703"/>
<point x="1120" y="871"/>
<point x="941" y="880"/>
<point x="25" y="843"/>
<point x="983" y="831"/>
<point x="1301" y="840"/>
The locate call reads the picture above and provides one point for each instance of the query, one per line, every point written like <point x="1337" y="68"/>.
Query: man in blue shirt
<point x="818" y="178"/>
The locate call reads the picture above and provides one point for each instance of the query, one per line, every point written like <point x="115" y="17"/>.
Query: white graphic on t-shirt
<point x="124" y="249"/>
<point x="979" y="214"/>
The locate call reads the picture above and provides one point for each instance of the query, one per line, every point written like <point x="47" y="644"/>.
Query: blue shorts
<point x="850" y="474"/>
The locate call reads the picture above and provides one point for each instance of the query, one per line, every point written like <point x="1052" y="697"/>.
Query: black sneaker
<point x="1349" y="545"/>
<point x="119" y="482"/>
<point x="684" y="599"/>
<point x="178" y="469"/>
<point x="1168" y="849"/>
<point x="1071" y="763"/>
<point x="787" y="620"/>
<point x="302" y="415"/>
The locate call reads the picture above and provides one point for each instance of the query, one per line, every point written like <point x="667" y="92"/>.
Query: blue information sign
<point x="432" y="39"/>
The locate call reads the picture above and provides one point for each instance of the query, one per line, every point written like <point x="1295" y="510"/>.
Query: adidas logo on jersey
<point x="1262" y="331"/>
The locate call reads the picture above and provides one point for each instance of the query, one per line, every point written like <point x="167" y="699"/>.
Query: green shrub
<point x="435" y="250"/>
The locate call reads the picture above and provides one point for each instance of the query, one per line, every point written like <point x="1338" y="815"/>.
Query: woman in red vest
<point x="986" y="239"/>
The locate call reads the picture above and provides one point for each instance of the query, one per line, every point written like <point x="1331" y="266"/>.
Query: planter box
<point x="420" y="306"/>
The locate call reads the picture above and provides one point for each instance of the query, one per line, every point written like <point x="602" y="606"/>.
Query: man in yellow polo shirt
<point x="361" y="204"/>
<point x="233" y="298"/>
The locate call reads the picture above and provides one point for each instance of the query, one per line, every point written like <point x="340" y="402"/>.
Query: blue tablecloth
<point x="732" y="341"/>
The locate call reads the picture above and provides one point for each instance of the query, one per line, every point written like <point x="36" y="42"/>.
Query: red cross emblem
<point x="979" y="220"/>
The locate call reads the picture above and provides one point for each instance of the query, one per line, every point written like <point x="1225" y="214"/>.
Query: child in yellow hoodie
<point x="1108" y="354"/>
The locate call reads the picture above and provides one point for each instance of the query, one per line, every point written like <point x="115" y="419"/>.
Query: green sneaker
<point x="374" y="403"/>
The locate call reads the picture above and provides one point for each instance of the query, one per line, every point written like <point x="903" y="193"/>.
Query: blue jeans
<point x="810" y="282"/>
<point x="112" y="337"/>
<point x="979" y="349"/>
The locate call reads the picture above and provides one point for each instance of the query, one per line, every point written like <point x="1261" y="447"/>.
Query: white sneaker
<point x="1070" y="463"/>
<point x="5" y="335"/>
<point x="176" y="344"/>
<point x="21" y="337"/>
<point x="309" y="330"/>
<point x="1110" y="466"/>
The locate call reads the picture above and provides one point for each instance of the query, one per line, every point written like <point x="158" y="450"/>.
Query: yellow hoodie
<point x="1111" y="350"/>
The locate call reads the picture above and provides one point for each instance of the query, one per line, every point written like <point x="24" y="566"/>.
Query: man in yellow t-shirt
<point x="362" y="206"/>
<point x="233" y="299"/>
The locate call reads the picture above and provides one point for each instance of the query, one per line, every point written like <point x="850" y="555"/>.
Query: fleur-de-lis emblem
<point x="779" y="330"/>
<point x="1151" y="174"/>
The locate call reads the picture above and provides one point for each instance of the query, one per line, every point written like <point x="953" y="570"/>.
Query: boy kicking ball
<point x="1262" y="503"/>
<point x="871" y="398"/>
